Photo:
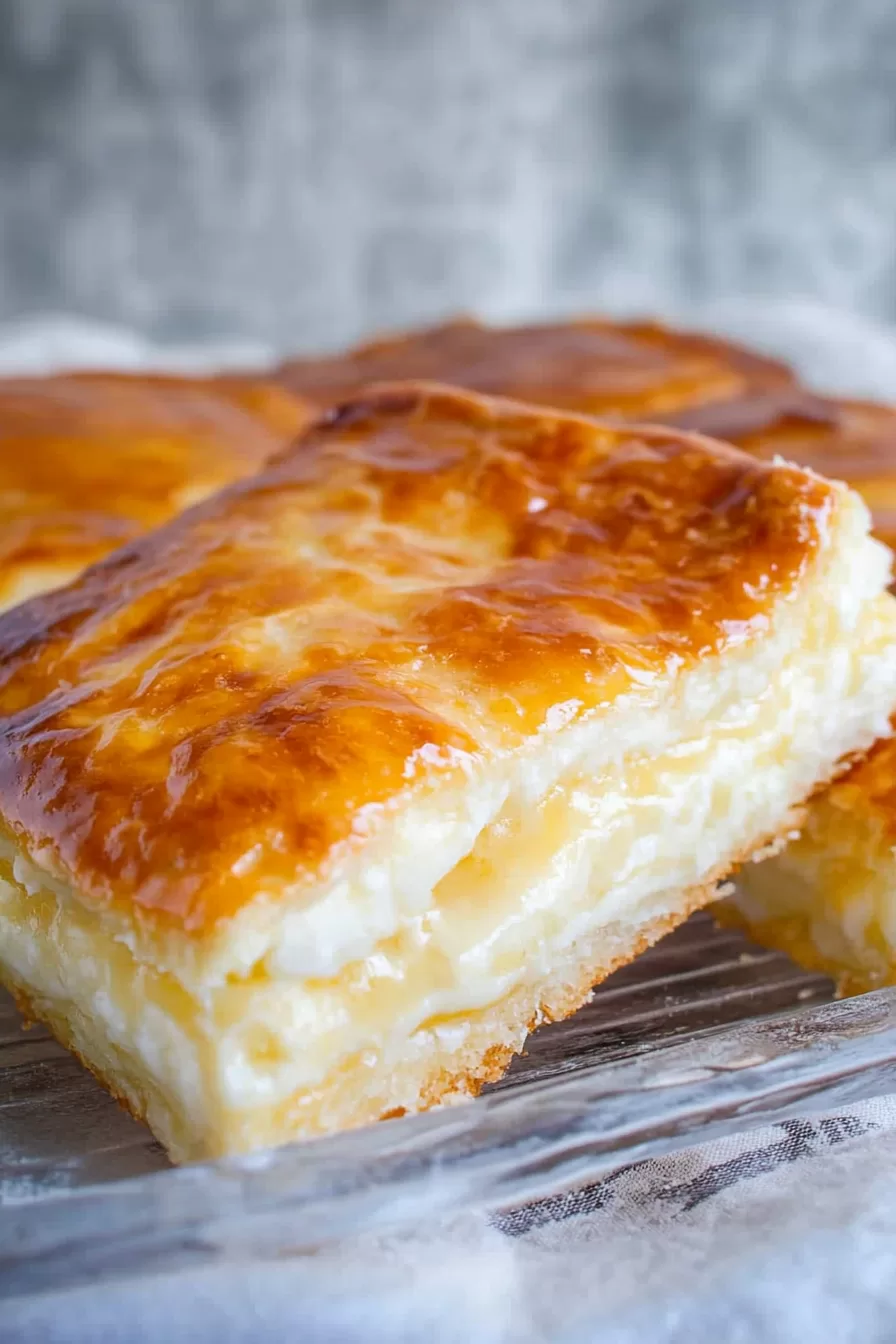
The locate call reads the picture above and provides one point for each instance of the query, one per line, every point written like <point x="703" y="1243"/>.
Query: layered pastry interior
<point x="314" y="801"/>
<point x="89" y="461"/>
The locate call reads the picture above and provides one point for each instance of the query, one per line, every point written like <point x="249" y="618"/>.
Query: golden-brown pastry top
<point x="88" y="461"/>
<point x="638" y="370"/>
<point x="222" y="705"/>
<point x="852" y="441"/>
<point x="598" y="367"/>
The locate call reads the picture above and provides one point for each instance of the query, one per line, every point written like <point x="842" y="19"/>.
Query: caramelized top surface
<point x="633" y="369"/>
<point x="221" y="705"/>
<point x="852" y="441"/>
<point x="639" y="370"/>
<point x="88" y="461"/>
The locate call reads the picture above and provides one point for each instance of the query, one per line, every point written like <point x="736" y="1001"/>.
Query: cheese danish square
<point x="316" y="799"/>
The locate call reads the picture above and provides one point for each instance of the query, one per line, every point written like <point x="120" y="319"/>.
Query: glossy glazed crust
<point x="640" y="370"/>
<point x="88" y="461"/>
<point x="634" y="369"/>
<point x="424" y="576"/>
<point x="853" y="441"/>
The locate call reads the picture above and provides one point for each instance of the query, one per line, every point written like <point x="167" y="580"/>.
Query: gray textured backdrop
<point x="300" y="170"/>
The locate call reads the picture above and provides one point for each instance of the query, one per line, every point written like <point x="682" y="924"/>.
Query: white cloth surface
<point x="785" y="1233"/>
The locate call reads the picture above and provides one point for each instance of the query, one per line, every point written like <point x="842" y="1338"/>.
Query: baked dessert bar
<point x="314" y="801"/>
<point x="89" y="461"/>
<point x="639" y="370"/>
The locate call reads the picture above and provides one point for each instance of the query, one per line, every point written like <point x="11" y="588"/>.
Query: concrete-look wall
<point x="298" y="171"/>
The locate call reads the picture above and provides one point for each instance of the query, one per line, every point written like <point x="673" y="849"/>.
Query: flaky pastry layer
<point x="826" y="901"/>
